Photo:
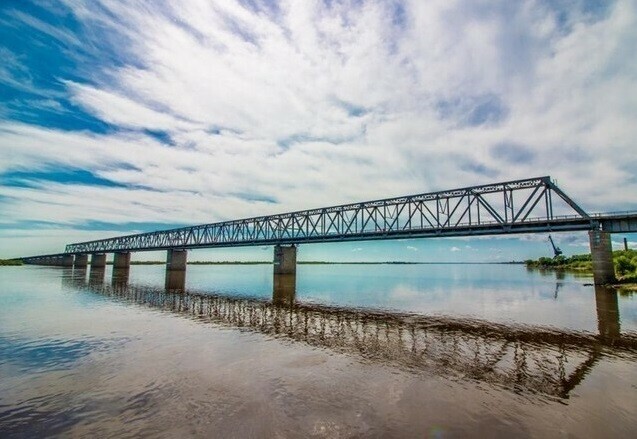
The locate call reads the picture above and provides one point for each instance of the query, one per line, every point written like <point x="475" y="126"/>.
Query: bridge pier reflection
<point x="96" y="275"/>
<point x="545" y="360"/>
<point x="607" y="312"/>
<point x="120" y="276"/>
<point x="78" y="276"/>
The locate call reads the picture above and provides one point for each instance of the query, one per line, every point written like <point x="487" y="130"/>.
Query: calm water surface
<point x="355" y="351"/>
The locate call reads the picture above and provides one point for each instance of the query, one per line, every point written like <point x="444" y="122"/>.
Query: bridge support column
<point x="121" y="260"/>
<point x="284" y="259"/>
<point x="602" y="256"/>
<point x="176" y="269"/>
<point x="284" y="289"/>
<point x="98" y="267"/>
<point x="67" y="260"/>
<point x="176" y="260"/>
<point x="175" y="280"/>
<point x="81" y="260"/>
<point x="98" y="260"/>
<point x="121" y="269"/>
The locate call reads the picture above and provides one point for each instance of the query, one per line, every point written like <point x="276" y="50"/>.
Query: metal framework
<point x="511" y="207"/>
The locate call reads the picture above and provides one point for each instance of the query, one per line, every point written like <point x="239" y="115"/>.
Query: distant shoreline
<point x="327" y="263"/>
<point x="17" y="262"/>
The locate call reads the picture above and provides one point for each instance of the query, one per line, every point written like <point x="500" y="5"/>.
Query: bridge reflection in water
<point x="542" y="360"/>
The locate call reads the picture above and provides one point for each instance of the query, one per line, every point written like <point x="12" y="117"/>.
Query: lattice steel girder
<point x="519" y="206"/>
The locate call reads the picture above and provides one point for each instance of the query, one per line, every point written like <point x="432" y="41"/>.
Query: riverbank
<point x="625" y="262"/>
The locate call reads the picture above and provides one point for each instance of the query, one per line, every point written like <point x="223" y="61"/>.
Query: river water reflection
<point x="340" y="351"/>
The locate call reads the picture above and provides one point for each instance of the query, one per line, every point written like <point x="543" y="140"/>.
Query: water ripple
<point x="47" y="354"/>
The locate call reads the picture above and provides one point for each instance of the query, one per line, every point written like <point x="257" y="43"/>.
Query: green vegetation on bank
<point x="267" y="263"/>
<point x="625" y="262"/>
<point x="19" y="262"/>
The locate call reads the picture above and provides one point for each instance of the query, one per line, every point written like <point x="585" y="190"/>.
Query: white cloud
<point x="619" y="245"/>
<point x="316" y="105"/>
<point x="455" y="249"/>
<point x="123" y="111"/>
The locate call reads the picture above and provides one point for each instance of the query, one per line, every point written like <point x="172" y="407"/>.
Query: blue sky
<point x="125" y="116"/>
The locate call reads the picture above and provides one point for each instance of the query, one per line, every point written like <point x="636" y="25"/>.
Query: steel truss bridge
<point x="540" y="360"/>
<point x="521" y="206"/>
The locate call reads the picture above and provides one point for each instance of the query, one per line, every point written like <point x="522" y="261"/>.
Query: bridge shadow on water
<point x="517" y="357"/>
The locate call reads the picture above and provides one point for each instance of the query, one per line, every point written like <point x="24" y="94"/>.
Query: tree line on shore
<point x="625" y="262"/>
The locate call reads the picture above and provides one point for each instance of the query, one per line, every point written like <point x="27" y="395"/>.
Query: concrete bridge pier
<point x="284" y="259"/>
<point x="284" y="283"/>
<point x="602" y="256"/>
<point x="175" y="280"/>
<point x="67" y="260"/>
<point x="121" y="260"/>
<point x="98" y="260"/>
<point x="176" y="261"/>
<point x="98" y="267"/>
<point x="81" y="261"/>
<point x="284" y="289"/>
<point x="121" y="269"/>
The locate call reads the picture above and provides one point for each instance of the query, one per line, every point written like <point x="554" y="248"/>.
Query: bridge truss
<point x="521" y="206"/>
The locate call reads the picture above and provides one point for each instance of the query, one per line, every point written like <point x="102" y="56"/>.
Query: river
<point x="388" y="350"/>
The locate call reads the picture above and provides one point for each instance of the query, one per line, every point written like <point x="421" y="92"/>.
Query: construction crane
<point x="556" y="250"/>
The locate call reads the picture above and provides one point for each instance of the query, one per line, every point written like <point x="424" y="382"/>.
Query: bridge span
<point x="534" y="205"/>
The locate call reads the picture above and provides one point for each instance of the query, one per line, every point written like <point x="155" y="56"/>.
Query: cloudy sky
<point x="126" y="116"/>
